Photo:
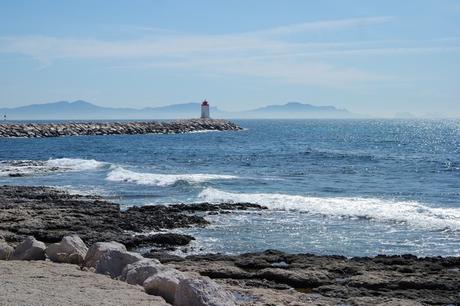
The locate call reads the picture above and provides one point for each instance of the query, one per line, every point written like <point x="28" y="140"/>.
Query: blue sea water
<point x="350" y="187"/>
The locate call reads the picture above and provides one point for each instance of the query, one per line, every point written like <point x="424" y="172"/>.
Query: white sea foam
<point x="119" y="174"/>
<point x="33" y="167"/>
<point x="412" y="213"/>
<point x="75" y="164"/>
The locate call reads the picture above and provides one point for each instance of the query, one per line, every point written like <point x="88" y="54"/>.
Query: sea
<point x="342" y="187"/>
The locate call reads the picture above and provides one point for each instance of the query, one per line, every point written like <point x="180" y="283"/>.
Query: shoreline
<point x="270" y="276"/>
<point x="41" y="130"/>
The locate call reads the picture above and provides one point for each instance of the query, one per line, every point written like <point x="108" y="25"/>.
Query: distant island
<point x="65" y="110"/>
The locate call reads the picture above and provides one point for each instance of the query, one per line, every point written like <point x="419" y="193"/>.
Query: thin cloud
<point x="324" y="25"/>
<point x="263" y="54"/>
<point x="286" y="70"/>
<point x="167" y="44"/>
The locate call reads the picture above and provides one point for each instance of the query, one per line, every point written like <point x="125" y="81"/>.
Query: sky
<point x="376" y="58"/>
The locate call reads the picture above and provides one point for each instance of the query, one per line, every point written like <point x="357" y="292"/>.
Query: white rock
<point x="136" y="273"/>
<point x="99" y="248"/>
<point x="5" y="251"/>
<point x="71" y="249"/>
<point x="29" y="249"/>
<point x="202" y="291"/>
<point x="112" y="262"/>
<point x="164" y="283"/>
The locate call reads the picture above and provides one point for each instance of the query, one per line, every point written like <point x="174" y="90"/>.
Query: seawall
<point x="37" y="130"/>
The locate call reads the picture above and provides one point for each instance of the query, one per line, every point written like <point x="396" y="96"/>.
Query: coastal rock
<point x="170" y="239"/>
<point x="164" y="283"/>
<point x="202" y="292"/>
<point x="295" y="278"/>
<point x="113" y="262"/>
<point x="5" y="251"/>
<point x="222" y="270"/>
<point x="147" y="218"/>
<point x="365" y="301"/>
<point x="136" y="273"/>
<point x="71" y="249"/>
<point x="227" y="271"/>
<point x="29" y="249"/>
<point x="98" y="249"/>
<point x="50" y="214"/>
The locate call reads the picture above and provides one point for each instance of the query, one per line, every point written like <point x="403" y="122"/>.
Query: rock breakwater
<point x="38" y="130"/>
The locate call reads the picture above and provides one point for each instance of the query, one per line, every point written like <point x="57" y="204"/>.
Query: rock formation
<point x="202" y="291"/>
<point x="29" y="249"/>
<point x="71" y="249"/>
<point x="164" y="283"/>
<point x="5" y="250"/>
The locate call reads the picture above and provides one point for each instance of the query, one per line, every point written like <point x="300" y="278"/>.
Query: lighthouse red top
<point x="204" y="103"/>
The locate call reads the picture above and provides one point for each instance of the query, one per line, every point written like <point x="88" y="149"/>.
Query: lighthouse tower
<point x="205" y="110"/>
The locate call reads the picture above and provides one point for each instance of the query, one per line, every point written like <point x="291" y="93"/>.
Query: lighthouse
<point x="205" y="110"/>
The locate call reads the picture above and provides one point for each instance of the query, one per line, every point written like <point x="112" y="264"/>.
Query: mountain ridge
<point x="81" y="109"/>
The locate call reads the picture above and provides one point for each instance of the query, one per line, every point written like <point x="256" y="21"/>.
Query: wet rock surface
<point x="49" y="214"/>
<point x="34" y="130"/>
<point x="388" y="280"/>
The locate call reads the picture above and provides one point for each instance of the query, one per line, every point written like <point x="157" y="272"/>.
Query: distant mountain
<point x="64" y="110"/>
<point x="297" y="110"/>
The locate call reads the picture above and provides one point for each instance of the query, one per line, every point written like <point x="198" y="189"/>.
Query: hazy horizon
<point x="86" y="110"/>
<point x="382" y="59"/>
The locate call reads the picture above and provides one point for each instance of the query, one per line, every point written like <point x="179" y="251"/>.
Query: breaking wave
<point x="33" y="167"/>
<point x="411" y="213"/>
<point x="119" y="174"/>
<point x="75" y="164"/>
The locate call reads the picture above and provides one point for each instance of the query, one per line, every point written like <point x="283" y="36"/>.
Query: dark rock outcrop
<point x="33" y="130"/>
<point x="335" y="279"/>
<point x="49" y="214"/>
<point x="167" y="239"/>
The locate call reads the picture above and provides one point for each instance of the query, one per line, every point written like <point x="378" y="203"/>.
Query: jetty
<point x="39" y="130"/>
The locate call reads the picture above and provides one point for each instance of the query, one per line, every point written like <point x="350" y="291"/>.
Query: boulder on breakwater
<point x="37" y="130"/>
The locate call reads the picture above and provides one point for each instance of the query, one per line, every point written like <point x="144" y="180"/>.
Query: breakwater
<point x="36" y="130"/>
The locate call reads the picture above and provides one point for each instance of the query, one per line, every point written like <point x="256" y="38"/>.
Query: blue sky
<point x="371" y="57"/>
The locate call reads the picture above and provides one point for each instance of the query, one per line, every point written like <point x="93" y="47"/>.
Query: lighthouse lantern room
<point x="205" y="110"/>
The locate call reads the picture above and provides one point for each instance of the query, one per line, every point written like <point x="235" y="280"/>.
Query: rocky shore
<point x="41" y="223"/>
<point x="36" y="130"/>
<point x="49" y="214"/>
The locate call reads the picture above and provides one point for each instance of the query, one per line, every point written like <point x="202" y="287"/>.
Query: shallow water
<point x="351" y="187"/>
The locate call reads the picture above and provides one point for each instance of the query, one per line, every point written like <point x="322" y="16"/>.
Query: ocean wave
<point x="411" y="213"/>
<point x="119" y="174"/>
<point x="15" y="168"/>
<point x="75" y="164"/>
